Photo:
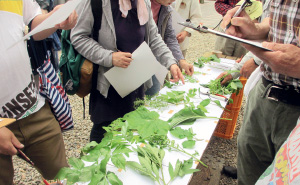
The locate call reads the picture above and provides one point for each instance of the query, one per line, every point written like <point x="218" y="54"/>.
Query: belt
<point x="285" y="94"/>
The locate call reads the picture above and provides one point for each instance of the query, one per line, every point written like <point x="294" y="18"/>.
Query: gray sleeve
<point x="171" y="41"/>
<point x="83" y="43"/>
<point x="157" y="45"/>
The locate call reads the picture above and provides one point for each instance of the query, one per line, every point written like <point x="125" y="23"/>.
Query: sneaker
<point x="230" y="171"/>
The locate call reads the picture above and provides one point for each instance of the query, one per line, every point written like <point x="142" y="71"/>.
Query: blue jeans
<point x="155" y="88"/>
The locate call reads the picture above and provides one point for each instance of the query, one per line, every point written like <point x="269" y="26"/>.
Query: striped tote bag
<point x="51" y="89"/>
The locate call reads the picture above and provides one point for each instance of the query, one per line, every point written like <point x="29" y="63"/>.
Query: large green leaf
<point x="146" y="122"/>
<point x="118" y="160"/>
<point x="185" y="114"/>
<point x="88" y="147"/>
<point x="63" y="173"/>
<point x="136" y="166"/>
<point x="189" y="144"/>
<point x="97" y="179"/>
<point x="113" y="179"/>
<point x="76" y="163"/>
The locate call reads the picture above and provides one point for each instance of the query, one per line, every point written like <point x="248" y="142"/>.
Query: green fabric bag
<point x="70" y="64"/>
<point x="76" y="71"/>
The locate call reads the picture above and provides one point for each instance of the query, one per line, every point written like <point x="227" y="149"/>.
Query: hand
<point x="239" y="59"/>
<point x="227" y="78"/>
<point x="248" y="67"/>
<point x="121" y="59"/>
<point x="188" y="68"/>
<point x="181" y="36"/>
<point x="69" y="23"/>
<point x="283" y="59"/>
<point x="176" y="74"/>
<point x="8" y="142"/>
<point x="243" y="27"/>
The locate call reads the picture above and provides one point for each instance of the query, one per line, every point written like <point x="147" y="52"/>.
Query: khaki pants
<point x="43" y="144"/>
<point x="266" y="126"/>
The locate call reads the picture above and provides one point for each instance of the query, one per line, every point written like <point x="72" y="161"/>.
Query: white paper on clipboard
<point x="207" y="30"/>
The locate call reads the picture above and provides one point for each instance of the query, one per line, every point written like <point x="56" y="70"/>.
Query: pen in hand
<point x="237" y="13"/>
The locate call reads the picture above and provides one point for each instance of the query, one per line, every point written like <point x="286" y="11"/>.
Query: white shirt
<point x="19" y="96"/>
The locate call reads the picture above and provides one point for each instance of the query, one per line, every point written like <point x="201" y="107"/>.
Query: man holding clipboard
<point x="273" y="105"/>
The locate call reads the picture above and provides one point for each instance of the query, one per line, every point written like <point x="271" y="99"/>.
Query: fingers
<point x="188" y="72"/>
<point x="176" y="74"/>
<point x="8" y="142"/>
<point x="227" y="17"/>
<point x="121" y="59"/>
<point x="226" y="79"/>
<point x="181" y="77"/>
<point x="16" y="142"/>
<point x="221" y="75"/>
<point x="192" y="70"/>
<point x="69" y="23"/>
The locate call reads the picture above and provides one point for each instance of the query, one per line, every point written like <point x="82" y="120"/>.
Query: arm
<point x="66" y="25"/>
<point x="237" y="67"/>
<point x="160" y="49"/>
<point x="283" y="59"/>
<point x="83" y="43"/>
<point x="244" y="27"/>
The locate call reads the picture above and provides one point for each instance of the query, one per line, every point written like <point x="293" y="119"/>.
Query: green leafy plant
<point x="150" y="163"/>
<point x="169" y="84"/>
<point x="203" y="60"/>
<point x="215" y="87"/>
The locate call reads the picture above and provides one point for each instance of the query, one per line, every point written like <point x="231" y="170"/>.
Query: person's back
<point x="36" y="126"/>
<point x="227" y="46"/>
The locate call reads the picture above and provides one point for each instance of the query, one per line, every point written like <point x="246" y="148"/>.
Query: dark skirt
<point x="114" y="106"/>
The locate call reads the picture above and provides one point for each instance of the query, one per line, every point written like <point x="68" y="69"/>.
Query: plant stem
<point x="183" y="151"/>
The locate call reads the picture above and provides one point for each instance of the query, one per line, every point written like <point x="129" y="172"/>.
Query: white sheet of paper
<point x="143" y="66"/>
<point x="161" y="74"/>
<point x="57" y="17"/>
<point x="176" y="17"/>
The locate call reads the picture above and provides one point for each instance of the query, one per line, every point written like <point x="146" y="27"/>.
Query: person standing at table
<point x="228" y="47"/>
<point x="248" y="63"/>
<point x="36" y="127"/>
<point x="125" y="25"/>
<point x="273" y="105"/>
<point x="163" y="18"/>
<point x="188" y="9"/>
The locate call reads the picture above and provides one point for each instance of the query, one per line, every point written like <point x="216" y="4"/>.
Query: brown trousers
<point x="43" y="144"/>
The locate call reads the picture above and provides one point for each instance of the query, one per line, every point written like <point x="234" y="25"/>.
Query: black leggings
<point x="97" y="132"/>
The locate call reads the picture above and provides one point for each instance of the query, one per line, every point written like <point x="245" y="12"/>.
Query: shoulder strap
<point x="97" y="13"/>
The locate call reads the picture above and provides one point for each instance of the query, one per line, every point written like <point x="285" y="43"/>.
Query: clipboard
<point x="6" y="121"/>
<point x="207" y="30"/>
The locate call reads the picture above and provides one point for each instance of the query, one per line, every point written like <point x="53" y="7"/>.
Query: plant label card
<point x="143" y="66"/>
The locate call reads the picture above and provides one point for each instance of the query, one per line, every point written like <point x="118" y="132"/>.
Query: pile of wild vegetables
<point x="139" y="126"/>
<point x="215" y="87"/>
<point x="203" y="60"/>
<point x="134" y="128"/>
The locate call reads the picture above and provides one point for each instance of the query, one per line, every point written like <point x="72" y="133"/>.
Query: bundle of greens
<point x="215" y="87"/>
<point x="203" y="60"/>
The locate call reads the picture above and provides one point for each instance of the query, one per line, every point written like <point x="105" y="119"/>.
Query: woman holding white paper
<point x="125" y="25"/>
